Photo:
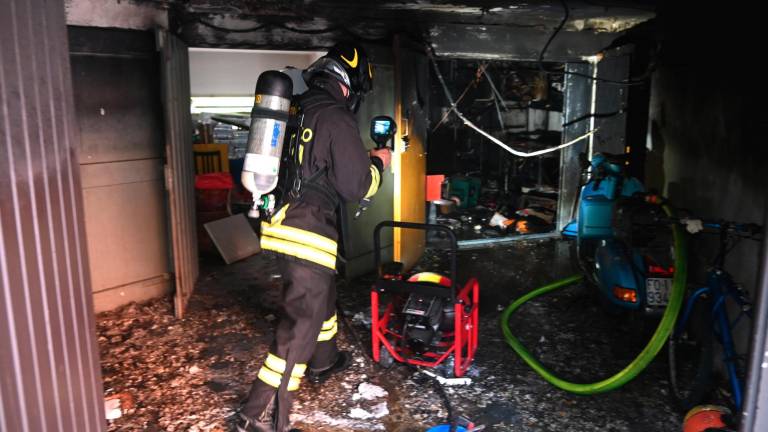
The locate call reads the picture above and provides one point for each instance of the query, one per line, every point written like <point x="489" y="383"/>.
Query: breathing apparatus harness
<point x="293" y="187"/>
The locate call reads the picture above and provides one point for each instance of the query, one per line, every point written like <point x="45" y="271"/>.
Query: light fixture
<point x="221" y="104"/>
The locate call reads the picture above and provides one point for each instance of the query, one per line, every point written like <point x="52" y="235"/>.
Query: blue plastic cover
<point x="571" y="230"/>
<point x="618" y="269"/>
<point x="446" y="428"/>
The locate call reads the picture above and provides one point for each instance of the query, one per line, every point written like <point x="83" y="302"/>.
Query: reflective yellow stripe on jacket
<point x="297" y="242"/>
<point x="375" y="182"/>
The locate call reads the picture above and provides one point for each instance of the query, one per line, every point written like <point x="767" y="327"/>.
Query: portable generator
<point x="426" y="319"/>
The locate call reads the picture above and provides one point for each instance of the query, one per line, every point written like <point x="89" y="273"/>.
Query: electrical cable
<point x="461" y="96"/>
<point x="498" y="113"/>
<point x="595" y="115"/>
<point x="649" y="352"/>
<point x="497" y="99"/>
<point x="446" y="402"/>
<point x="469" y="123"/>
<point x="493" y="88"/>
<point x="636" y="81"/>
<point x="552" y="36"/>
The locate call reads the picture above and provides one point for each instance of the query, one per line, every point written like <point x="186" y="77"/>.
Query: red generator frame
<point x="461" y="342"/>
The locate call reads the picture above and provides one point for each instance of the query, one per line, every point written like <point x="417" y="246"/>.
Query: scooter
<point x="618" y="243"/>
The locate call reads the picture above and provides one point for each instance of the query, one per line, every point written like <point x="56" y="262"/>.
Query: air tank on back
<point x="265" y="137"/>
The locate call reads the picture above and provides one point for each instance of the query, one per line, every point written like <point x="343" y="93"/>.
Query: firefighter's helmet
<point x="348" y="63"/>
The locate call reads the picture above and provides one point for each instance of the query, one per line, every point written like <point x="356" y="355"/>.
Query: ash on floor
<point x="191" y="374"/>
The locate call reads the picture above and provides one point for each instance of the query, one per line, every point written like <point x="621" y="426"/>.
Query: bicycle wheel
<point x="691" y="358"/>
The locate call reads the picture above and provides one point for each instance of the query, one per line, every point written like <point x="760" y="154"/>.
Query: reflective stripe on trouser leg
<point x="273" y="370"/>
<point x="326" y="352"/>
<point x="329" y="329"/>
<point x="304" y="308"/>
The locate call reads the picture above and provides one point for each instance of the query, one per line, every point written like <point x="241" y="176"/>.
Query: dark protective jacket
<point x="330" y="151"/>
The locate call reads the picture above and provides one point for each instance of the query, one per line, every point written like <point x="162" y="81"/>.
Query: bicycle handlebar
<point x="741" y="228"/>
<point x="735" y="227"/>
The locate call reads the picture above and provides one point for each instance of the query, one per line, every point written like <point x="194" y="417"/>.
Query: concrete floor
<point x="191" y="374"/>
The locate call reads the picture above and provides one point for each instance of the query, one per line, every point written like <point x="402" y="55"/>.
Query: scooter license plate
<point x="657" y="291"/>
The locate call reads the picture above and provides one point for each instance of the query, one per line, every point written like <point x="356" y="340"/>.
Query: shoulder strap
<point x="317" y="99"/>
<point x="312" y="189"/>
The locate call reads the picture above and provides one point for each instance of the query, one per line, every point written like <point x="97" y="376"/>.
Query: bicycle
<point x="704" y="320"/>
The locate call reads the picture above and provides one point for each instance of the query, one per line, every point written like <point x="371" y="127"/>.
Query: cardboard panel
<point x="234" y="238"/>
<point x="126" y="242"/>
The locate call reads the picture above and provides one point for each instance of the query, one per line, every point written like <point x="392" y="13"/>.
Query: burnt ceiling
<point x="484" y="29"/>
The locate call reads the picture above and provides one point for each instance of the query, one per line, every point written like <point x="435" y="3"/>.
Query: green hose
<point x="642" y="360"/>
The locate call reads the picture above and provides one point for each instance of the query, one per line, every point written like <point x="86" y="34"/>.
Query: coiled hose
<point x="642" y="360"/>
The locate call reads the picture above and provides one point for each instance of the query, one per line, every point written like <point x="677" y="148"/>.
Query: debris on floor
<point x="366" y="391"/>
<point x="448" y="381"/>
<point x="191" y="374"/>
<point x="116" y="405"/>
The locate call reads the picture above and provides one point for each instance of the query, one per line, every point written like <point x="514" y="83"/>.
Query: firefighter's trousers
<point x="305" y="337"/>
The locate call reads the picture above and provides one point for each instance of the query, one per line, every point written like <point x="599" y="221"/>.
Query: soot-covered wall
<point x="115" y="79"/>
<point x="705" y="153"/>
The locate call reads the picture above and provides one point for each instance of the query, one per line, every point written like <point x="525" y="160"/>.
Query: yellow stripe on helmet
<point x="352" y="63"/>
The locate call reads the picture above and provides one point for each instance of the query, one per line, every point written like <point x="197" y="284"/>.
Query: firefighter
<point x="332" y="167"/>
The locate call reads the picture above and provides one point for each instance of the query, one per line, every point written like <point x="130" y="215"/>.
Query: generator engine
<point x="422" y="315"/>
<point x="428" y="319"/>
<point x="425" y="318"/>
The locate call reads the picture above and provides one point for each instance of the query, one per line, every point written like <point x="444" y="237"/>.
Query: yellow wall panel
<point x="409" y="164"/>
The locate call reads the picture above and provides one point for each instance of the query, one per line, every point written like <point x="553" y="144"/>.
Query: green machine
<point x="465" y="189"/>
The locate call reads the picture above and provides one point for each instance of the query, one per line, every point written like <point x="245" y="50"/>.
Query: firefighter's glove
<point x="693" y="225"/>
<point x="384" y="154"/>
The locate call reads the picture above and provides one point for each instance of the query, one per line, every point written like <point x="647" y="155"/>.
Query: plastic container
<point x="212" y="191"/>
<point x="446" y="428"/>
<point x="434" y="187"/>
<point x="596" y="217"/>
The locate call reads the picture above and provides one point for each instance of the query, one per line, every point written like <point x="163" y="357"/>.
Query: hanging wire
<point x="478" y="73"/>
<point x="497" y="98"/>
<point x="486" y="134"/>
<point x="494" y="89"/>
<point x="566" y="14"/>
<point x="498" y="112"/>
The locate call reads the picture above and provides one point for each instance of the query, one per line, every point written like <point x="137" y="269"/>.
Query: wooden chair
<point x="210" y="158"/>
